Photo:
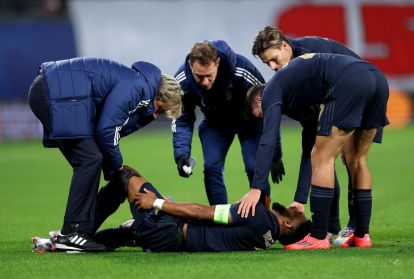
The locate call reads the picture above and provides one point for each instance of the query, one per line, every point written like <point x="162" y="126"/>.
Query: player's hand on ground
<point x="249" y="201"/>
<point x="277" y="170"/>
<point x="181" y="162"/>
<point x="144" y="200"/>
<point x="299" y="206"/>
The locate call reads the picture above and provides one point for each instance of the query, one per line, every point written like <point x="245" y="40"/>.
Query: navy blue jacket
<point x="223" y="104"/>
<point x="297" y="90"/>
<point x="100" y="99"/>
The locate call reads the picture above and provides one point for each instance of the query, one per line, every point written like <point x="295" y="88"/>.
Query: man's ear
<point x="218" y="61"/>
<point x="284" y="45"/>
<point x="288" y="223"/>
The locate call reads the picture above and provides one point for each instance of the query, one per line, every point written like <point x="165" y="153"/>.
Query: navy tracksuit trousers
<point x="216" y="141"/>
<point x="85" y="158"/>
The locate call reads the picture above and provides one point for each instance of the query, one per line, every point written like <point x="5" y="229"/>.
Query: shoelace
<point x="345" y="232"/>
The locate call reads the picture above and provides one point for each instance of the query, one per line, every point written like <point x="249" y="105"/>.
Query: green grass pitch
<point x="34" y="187"/>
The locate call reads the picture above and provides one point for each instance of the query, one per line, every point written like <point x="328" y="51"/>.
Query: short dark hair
<point x="203" y="52"/>
<point x="252" y="93"/>
<point x="296" y="234"/>
<point x="266" y="38"/>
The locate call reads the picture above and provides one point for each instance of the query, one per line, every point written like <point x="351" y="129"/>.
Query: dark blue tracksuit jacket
<point x="100" y="99"/>
<point x="223" y="107"/>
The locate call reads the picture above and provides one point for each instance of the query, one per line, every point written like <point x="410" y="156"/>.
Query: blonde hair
<point x="170" y="93"/>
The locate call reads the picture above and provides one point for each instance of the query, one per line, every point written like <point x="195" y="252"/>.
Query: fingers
<point x="245" y="206"/>
<point x="276" y="180"/>
<point x="299" y="206"/>
<point x="249" y="201"/>
<point x="137" y="204"/>
<point x="240" y="206"/>
<point x="244" y="209"/>
<point x="182" y="173"/>
<point x="253" y="209"/>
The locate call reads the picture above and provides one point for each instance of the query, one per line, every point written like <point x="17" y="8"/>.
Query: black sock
<point x="320" y="203"/>
<point x="115" y="237"/>
<point x="334" y="224"/>
<point x="362" y="205"/>
<point x="351" y="211"/>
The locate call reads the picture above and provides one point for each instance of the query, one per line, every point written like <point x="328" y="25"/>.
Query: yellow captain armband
<point x="221" y="214"/>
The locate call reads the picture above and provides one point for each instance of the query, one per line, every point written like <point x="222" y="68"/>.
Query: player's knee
<point x="212" y="170"/>
<point x="355" y="163"/>
<point x="320" y="158"/>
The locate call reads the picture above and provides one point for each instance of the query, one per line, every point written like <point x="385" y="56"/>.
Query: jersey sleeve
<point x="338" y="48"/>
<point x="248" y="73"/>
<point x="236" y="219"/>
<point x="114" y="115"/>
<point x="270" y="139"/>
<point x="305" y="169"/>
<point x="183" y="127"/>
<point x="252" y="220"/>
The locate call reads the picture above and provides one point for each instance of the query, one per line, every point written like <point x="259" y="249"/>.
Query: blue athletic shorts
<point x="358" y="101"/>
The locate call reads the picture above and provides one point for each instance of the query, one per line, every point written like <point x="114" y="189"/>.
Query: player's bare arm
<point x="147" y="200"/>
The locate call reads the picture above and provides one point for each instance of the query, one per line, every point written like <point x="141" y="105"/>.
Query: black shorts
<point x="359" y="101"/>
<point x="157" y="233"/>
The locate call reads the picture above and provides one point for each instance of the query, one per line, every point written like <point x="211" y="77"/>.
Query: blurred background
<point x="34" y="182"/>
<point x="163" y="31"/>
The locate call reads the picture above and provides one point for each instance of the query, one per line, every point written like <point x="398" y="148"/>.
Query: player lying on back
<point x="161" y="225"/>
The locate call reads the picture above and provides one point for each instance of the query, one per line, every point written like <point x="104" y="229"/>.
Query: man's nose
<point x="205" y="81"/>
<point x="273" y="65"/>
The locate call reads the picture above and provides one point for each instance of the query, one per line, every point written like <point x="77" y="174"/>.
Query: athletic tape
<point x="158" y="204"/>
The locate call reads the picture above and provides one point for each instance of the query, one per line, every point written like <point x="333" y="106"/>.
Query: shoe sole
<point x="340" y="242"/>
<point x="67" y="248"/>
<point x="308" y="248"/>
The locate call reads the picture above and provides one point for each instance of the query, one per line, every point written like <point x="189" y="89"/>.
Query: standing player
<point x="276" y="50"/>
<point x="86" y="105"/>
<point x="161" y="225"/>
<point x="216" y="79"/>
<point x="352" y="95"/>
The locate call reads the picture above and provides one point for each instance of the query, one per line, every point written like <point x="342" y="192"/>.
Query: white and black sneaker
<point x="53" y="236"/>
<point x="78" y="241"/>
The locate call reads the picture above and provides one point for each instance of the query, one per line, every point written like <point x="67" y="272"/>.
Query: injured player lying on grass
<point x="162" y="225"/>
